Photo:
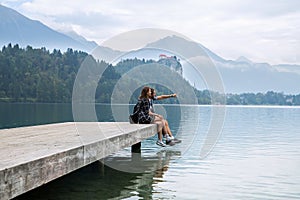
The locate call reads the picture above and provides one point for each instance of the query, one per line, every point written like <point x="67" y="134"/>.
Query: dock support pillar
<point x="136" y="148"/>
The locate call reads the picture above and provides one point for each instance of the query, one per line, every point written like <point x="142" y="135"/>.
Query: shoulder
<point x="145" y="100"/>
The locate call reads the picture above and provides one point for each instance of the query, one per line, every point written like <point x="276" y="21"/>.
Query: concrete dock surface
<point x="32" y="156"/>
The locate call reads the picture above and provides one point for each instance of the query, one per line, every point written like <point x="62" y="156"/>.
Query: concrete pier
<point x="33" y="156"/>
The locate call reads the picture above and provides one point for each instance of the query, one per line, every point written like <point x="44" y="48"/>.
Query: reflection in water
<point x="99" y="181"/>
<point x="165" y="157"/>
<point x="29" y="114"/>
<point x="256" y="157"/>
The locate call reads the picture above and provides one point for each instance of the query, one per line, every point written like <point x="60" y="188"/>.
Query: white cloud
<point x="263" y="31"/>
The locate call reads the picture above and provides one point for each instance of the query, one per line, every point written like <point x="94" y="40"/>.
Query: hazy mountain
<point x="239" y="76"/>
<point x="257" y="77"/>
<point x="288" y="68"/>
<point x="15" y="28"/>
<point x="243" y="59"/>
<point x="88" y="44"/>
<point x="183" y="47"/>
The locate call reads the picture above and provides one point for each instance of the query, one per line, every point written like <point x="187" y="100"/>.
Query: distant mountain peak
<point x="81" y="39"/>
<point x="184" y="46"/>
<point x="244" y="59"/>
<point x="15" y="28"/>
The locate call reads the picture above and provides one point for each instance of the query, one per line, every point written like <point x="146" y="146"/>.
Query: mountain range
<point x="238" y="76"/>
<point x="15" y="28"/>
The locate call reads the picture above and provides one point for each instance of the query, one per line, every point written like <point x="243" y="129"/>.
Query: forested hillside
<point x="37" y="75"/>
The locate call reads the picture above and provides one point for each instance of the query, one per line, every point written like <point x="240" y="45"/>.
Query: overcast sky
<point x="262" y="31"/>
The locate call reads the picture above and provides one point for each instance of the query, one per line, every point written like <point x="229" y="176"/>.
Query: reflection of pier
<point x="33" y="156"/>
<point x="99" y="181"/>
<point x="151" y="170"/>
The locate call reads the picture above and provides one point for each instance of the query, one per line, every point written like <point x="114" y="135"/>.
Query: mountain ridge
<point x="241" y="75"/>
<point x="19" y="29"/>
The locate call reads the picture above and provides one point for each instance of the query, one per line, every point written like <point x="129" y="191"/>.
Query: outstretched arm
<point x="166" y="96"/>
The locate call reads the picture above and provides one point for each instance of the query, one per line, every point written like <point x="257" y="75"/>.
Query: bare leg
<point x="160" y="126"/>
<point x="160" y="135"/>
<point x="167" y="128"/>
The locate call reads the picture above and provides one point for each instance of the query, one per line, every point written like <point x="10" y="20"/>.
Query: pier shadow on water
<point x="104" y="181"/>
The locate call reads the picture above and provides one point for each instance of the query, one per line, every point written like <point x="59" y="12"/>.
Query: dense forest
<point x="38" y="75"/>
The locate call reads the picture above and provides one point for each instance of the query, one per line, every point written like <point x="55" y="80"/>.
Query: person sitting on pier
<point x="147" y="117"/>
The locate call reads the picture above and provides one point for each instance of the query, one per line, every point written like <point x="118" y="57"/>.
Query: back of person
<point x="144" y="116"/>
<point x="134" y="117"/>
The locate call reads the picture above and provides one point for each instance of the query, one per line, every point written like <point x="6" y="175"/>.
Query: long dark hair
<point x="144" y="92"/>
<point x="152" y="93"/>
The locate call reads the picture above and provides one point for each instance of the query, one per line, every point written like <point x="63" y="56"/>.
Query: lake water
<point x="256" y="156"/>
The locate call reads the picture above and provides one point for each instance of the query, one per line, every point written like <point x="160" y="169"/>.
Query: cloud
<point x="264" y="31"/>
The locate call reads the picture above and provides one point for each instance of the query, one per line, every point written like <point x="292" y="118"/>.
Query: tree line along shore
<point x="38" y="75"/>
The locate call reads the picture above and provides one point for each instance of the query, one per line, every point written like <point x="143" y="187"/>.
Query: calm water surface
<point x="257" y="156"/>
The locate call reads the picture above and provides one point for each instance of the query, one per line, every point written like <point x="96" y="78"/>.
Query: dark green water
<point x="21" y="114"/>
<point x="256" y="156"/>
